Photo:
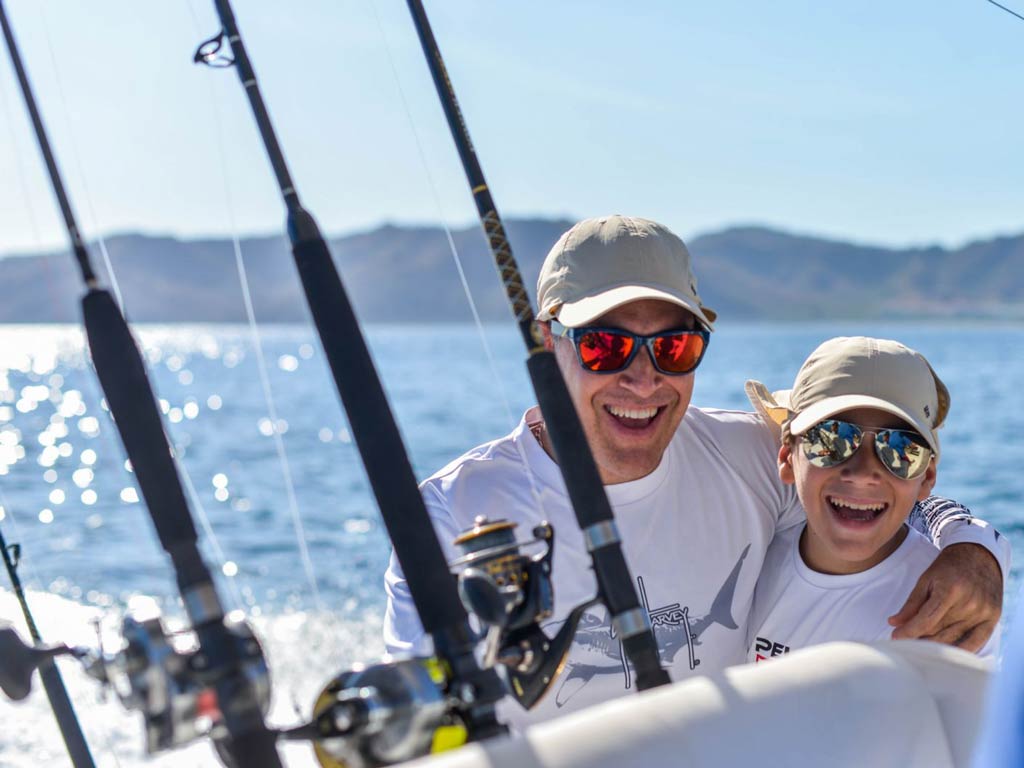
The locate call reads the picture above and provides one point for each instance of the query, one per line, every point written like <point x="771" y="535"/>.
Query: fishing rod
<point x="224" y="682"/>
<point x="469" y="690"/>
<point x="1008" y="10"/>
<point x="53" y="683"/>
<point x="586" y="491"/>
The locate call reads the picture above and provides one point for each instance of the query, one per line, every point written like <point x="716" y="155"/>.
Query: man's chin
<point x="622" y="465"/>
<point x="630" y="450"/>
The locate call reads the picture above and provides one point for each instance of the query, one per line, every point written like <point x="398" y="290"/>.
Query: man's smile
<point x="634" y="417"/>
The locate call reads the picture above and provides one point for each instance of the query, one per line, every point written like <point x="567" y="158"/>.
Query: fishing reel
<point x="159" y="673"/>
<point x="511" y="593"/>
<point x="383" y="714"/>
<point x="163" y="675"/>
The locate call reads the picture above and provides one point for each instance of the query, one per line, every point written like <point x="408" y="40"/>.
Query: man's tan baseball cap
<point x="858" y="372"/>
<point x="603" y="263"/>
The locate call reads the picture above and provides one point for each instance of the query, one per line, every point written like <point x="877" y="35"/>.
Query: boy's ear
<point x="786" y="473"/>
<point x="928" y="483"/>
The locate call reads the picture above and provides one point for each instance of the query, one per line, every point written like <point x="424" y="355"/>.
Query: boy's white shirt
<point x="695" y="532"/>
<point x="796" y="606"/>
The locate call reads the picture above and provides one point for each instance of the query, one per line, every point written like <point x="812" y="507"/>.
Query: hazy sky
<point x="881" y="121"/>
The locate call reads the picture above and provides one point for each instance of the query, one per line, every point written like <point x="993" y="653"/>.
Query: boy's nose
<point x="865" y="462"/>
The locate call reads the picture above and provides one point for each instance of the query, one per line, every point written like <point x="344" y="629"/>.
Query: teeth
<point x="858" y="507"/>
<point x="632" y="413"/>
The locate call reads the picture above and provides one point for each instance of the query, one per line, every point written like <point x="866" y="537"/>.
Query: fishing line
<point x="204" y="522"/>
<point x="199" y="508"/>
<point x="37" y="239"/>
<point x="583" y="482"/>
<point x="443" y="219"/>
<point x="30" y="208"/>
<point x="26" y="196"/>
<point x="6" y="512"/>
<point x="68" y="724"/>
<point x="1009" y="11"/>
<point x="19" y="164"/>
<point x="257" y="343"/>
<point x="293" y="504"/>
<point x="513" y="421"/>
<point x="79" y="167"/>
<point x="470" y="689"/>
<point x="231" y="661"/>
<point x="28" y="566"/>
<point x="220" y="557"/>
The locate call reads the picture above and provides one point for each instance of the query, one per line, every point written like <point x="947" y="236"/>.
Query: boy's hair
<point x="858" y="372"/>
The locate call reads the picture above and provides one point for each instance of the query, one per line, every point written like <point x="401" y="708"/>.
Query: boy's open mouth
<point x="851" y="511"/>
<point x="634" y="418"/>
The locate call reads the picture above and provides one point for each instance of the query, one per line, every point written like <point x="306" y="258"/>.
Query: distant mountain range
<point x="407" y="274"/>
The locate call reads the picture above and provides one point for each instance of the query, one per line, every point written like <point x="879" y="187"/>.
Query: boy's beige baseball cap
<point x="603" y="263"/>
<point x="858" y="372"/>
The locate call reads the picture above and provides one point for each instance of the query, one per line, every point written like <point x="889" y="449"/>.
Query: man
<point x="696" y="492"/>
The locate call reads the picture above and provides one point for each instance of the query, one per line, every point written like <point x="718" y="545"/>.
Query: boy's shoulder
<point x="918" y="552"/>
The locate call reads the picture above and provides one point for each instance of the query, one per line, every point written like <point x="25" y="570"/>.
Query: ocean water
<point x="88" y="548"/>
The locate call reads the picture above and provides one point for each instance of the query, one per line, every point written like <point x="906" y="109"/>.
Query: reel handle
<point x="18" y="661"/>
<point x="492" y="604"/>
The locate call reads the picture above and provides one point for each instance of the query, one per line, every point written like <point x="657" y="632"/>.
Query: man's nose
<point x="641" y="376"/>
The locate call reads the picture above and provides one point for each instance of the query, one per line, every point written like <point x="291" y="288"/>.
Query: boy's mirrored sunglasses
<point x="610" y="350"/>
<point x="904" y="453"/>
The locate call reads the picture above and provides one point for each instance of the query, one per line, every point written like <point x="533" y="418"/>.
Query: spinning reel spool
<point x="383" y="714"/>
<point x="511" y="593"/>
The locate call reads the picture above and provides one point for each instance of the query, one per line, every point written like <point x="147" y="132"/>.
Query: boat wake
<point x="304" y="649"/>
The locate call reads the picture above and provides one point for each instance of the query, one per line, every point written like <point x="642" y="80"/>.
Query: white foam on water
<point x="304" y="651"/>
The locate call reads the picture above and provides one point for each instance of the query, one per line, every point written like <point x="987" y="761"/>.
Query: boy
<point x="859" y="443"/>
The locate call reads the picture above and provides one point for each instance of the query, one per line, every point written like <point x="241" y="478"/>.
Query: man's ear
<point x="549" y="340"/>
<point x="786" y="473"/>
<point x="930" y="475"/>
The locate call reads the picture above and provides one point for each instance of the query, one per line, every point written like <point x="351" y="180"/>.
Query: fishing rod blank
<point x="53" y="683"/>
<point x="373" y="425"/>
<point x="228" y="656"/>
<point x="575" y="460"/>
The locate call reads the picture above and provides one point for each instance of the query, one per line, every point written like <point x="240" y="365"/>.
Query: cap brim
<point x="578" y="313"/>
<point x="830" y="406"/>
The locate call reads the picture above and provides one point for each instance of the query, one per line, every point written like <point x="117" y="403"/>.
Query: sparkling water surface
<point x="70" y="500"/>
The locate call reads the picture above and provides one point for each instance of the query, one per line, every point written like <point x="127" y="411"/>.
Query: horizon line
<point x="45" y="249"/>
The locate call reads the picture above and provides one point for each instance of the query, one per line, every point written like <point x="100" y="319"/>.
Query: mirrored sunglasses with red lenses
<point x="904" y="453"/>
<point x="611" y="350"/>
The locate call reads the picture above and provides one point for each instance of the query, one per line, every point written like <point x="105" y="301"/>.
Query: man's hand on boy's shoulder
<point x="957" y="601"/>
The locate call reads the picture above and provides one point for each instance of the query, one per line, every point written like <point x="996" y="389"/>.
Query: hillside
<point x="407" y="274"/>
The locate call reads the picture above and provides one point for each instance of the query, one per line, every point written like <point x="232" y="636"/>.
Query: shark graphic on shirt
<point x="675" y="629"/>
